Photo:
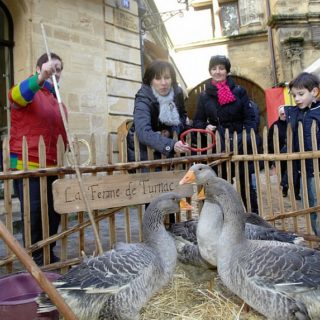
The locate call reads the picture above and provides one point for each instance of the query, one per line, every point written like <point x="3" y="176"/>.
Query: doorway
<point x="6" y="71"/>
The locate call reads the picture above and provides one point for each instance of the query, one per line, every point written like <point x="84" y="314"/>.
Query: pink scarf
<point x="224" y="93"/>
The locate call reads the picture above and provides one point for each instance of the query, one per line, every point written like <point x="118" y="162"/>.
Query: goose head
<point x="217" y="190"/>
<point x="199" y="174"/>
<point x="162" y="205"/>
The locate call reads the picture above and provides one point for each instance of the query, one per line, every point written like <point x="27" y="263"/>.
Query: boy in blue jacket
<point x="305" y="91"/>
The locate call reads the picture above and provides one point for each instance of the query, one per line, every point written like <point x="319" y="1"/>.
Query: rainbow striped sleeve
<point x="23" y="93"/>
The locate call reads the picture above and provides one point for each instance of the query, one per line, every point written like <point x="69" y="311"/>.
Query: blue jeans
<point x="312" y="202"/>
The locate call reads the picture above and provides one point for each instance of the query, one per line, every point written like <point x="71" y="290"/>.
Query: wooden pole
<point x="36" y="273"/>
<point x="114" y="167"/>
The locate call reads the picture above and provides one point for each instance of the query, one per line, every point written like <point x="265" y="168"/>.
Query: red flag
<point x="276" y="97"/>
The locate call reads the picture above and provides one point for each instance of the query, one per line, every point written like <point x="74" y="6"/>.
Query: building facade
<point x="268" y="42"/>
<point x="99" y="42"/>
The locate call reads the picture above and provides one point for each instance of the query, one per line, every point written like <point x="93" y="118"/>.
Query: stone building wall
<point x="294" y="26"/>
<point x="100" y="46"/>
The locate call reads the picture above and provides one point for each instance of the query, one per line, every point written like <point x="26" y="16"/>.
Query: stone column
<point x="293" y="50"/>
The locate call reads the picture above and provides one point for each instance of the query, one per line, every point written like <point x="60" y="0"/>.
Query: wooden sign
<point x="116" y="191"/>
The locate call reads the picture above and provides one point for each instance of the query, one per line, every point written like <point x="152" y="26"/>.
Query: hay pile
<point x="184" y="299"/>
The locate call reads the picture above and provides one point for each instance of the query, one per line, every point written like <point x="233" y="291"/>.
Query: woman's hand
<point x="210" y="127"/>
<point x="181" y="147"/>
<point x="47" y="70"/>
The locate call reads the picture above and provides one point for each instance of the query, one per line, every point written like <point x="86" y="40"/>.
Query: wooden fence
<point x="123" y="222"/>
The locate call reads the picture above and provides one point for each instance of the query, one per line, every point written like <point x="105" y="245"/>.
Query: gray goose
<point x="196" y="240"/>
<point x="280" y="280"/>
<point x="117" y="284"/>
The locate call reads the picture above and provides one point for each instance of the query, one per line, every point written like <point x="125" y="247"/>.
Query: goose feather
<point x="203" y="234"/>
<point x="117" y="284"/>
<point x="280" y="280"/>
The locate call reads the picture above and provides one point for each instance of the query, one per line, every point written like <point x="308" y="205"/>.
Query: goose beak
<point x="188" y="178"/>
<point x="185" y="205"/>
<point x="201" y="195"/>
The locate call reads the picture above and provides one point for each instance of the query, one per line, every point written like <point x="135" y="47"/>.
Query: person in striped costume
<point x="35" y="112"/>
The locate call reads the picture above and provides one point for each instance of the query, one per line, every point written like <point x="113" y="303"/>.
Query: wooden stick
<point x="277" y="215"/>
<point x="282" y="156"/>
<point x="36" y="273"/>
<point x="76" y="166"/>
<point x="112" y="167"/>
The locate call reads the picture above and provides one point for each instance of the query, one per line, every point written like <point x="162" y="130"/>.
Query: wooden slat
<point x="257" y="173"/>
<point x="236" y="164"/>
<point x="290" y="178"/>
<point x="7" y="197"/>
<point x="92" y="144"/>
<point x="44" y="200"/>
<point x="26" y="196"/>
<point x="304" y="179"/>
<point x="247" y="175"/>
<point x="267" y="172"/>
<point x="64" y="217"/>
<point x="278" y="171"/>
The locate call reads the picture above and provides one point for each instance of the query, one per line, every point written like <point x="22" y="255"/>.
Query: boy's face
<point x="303" y="97"/>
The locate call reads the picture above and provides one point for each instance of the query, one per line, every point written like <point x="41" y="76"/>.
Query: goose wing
<point x="284" y="267"/>
<point x="257" y="232"/>
<point x="186" y="230"/>
<point x="110" y="271"/>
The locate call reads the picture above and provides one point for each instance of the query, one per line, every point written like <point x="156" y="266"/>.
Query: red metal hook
<point x="211" y="133"/>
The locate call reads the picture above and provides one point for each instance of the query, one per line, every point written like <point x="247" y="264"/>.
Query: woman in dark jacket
<point x="225" y="105"/>
<point x="158" y="112"/>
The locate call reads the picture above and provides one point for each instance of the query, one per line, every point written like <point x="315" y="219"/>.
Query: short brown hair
<point x="44" y="58"/>
<point x="219" y="59"/>
<point x="157" y="68"/>
<point x="305" y="80"/>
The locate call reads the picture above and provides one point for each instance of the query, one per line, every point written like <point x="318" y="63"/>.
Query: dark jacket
<point x="282" y="129"/>
<point x="235" y="116"/>
<point x="306" y="116"/>
<point x="148" y="127"/>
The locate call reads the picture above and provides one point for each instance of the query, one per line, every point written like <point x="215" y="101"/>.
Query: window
<point x="250" y="12"/>
<point x="6" y="78"/>
<point x="229" y="18"/>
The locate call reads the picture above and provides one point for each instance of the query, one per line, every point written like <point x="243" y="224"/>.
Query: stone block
<point x="73" y="102"/>
<point x="115" y="34"/>
<point x="122" y="88"/>
<point x="123" y="70"/>
<point x="61" y="34"/>
<point x="125" y="20"/>
<point x="80" y="123"/>
<point x="108" y="15"/>
<point x="120" y="106"/>
<point x="120" y="52"/>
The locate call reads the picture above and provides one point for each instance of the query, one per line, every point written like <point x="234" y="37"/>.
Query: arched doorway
<point x="255" y="92"/>
<point x="6" y="67"/>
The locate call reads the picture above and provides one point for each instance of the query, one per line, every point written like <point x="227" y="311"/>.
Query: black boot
<point x="37" y="257"/>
